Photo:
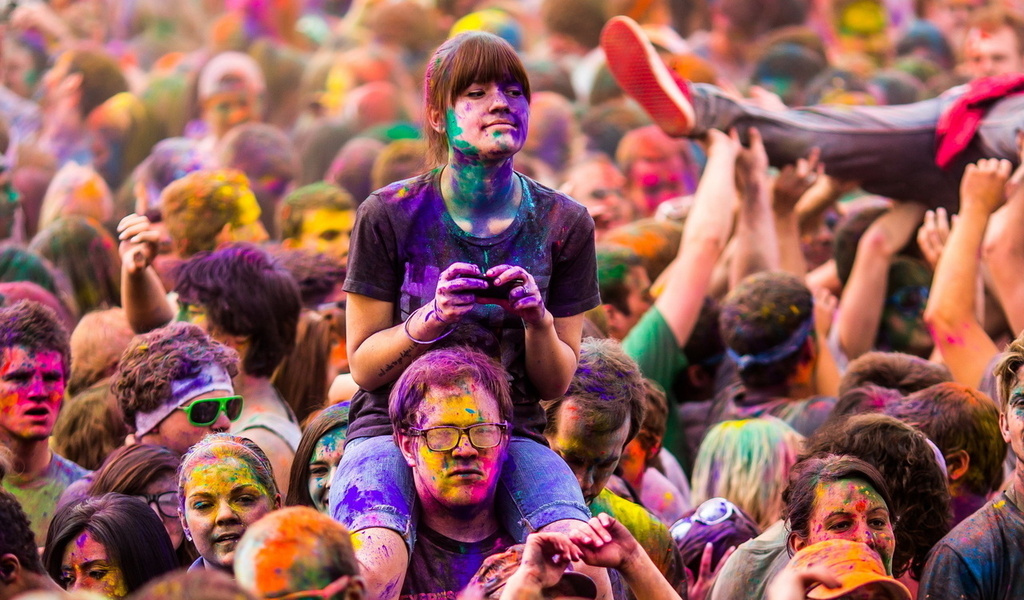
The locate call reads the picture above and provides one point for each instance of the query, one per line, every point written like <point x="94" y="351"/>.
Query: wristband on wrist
<point x="425" y="342"/>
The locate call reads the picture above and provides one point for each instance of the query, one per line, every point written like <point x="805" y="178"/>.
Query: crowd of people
<point x="519" y="299"/>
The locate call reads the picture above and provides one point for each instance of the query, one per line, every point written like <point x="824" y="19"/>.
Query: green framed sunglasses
<point x="203" y="413"/>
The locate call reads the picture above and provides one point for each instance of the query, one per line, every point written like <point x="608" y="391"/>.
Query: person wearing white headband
<point x="174" y="387"/>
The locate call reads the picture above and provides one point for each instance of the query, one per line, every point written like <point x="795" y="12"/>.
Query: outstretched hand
<point x="932" y="235"/>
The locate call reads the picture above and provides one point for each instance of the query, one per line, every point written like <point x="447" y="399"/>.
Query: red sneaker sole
<point x="642" y="74"/>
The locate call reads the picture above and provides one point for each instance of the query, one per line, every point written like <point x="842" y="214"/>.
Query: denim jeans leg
<point x="536" y="489"/>
<point x="373" y="487"/>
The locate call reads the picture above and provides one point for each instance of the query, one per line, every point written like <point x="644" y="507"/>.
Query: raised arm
<point x="860" y="306"/>
<point x="704" y="236"/>
<point x="757" y="247"/>
<point x="142" y="294"/>
<point x="1004" y="253"/>
<point x="951" y="315"/>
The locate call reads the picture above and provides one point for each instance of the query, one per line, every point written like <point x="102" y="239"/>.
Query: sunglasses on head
<point x="711" y="512"/>
<point x="203" y="413"/>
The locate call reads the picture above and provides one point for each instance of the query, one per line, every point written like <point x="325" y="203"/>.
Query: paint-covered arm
<point x="142" y="294"/>
<point x="705" y="235"/>
<point x="950" y="314"/>
<point x="604" y="542"/>
<point x="860" y="306"/>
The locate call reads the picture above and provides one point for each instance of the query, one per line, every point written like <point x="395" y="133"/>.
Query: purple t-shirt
<point x="404" y="238"/>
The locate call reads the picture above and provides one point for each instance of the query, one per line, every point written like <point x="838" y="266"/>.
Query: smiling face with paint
<point x="31" y="393"/>
<point x="223" y="496"/>
<point x="464" y="478"/>
<point x="850" y="509"/>
<point x="87" y="566"/>
<point x="487" y="121"/>
<point x="322" y="465"/>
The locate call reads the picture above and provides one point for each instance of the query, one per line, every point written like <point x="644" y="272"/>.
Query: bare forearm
<point x="704" y="238"/>
<point x="951" y="302"/>
<point x="757" y="246"/>
<point x="550" y="360"/>
<point x="791" y="256"/>
<point x="144" y="300"/>
<point x="864" y="298"/>
<point x="950" y="313"/>
<point x="382" y="357"/>
<point x="645" y="580"/>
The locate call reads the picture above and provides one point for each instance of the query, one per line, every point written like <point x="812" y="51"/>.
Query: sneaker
<point x="642" y="74"/>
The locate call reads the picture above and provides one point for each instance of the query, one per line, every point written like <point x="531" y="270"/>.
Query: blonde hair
<point x="747" y="462"/>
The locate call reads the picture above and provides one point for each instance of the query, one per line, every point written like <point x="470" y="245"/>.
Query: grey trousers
<point x="889" y="149"/>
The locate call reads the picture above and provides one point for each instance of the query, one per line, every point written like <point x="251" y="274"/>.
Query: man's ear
<point x="614" y="317"/>
<point x="356" y="589"/>
<point x="1004" y="427"/>
<point x="957" y="464"/>
<point x="9" y="568"/>
<point x="407" y="444"/>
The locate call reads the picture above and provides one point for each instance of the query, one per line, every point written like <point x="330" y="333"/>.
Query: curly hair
<point x="920" y="504"/>
<point x="761" y="313"/>
<point x="607" y="388"/>
<point x="957" y="417"/>
<point x="35" y="328"/>
<point x="16" y="535"/>
<point x="152" y="361"/>
<point x="223" y="281"/>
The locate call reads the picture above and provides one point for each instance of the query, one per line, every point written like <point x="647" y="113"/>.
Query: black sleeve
<point x="574" y="287"/>
<point x="373" y="269"/>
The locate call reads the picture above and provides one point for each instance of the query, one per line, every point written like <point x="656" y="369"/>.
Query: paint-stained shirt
<point x="39" y="496"/>
<point x="441" y="567"/>
<point x="649" y="532"/>
<point x="981" y="558"/>
<point x="404" y="238"/>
